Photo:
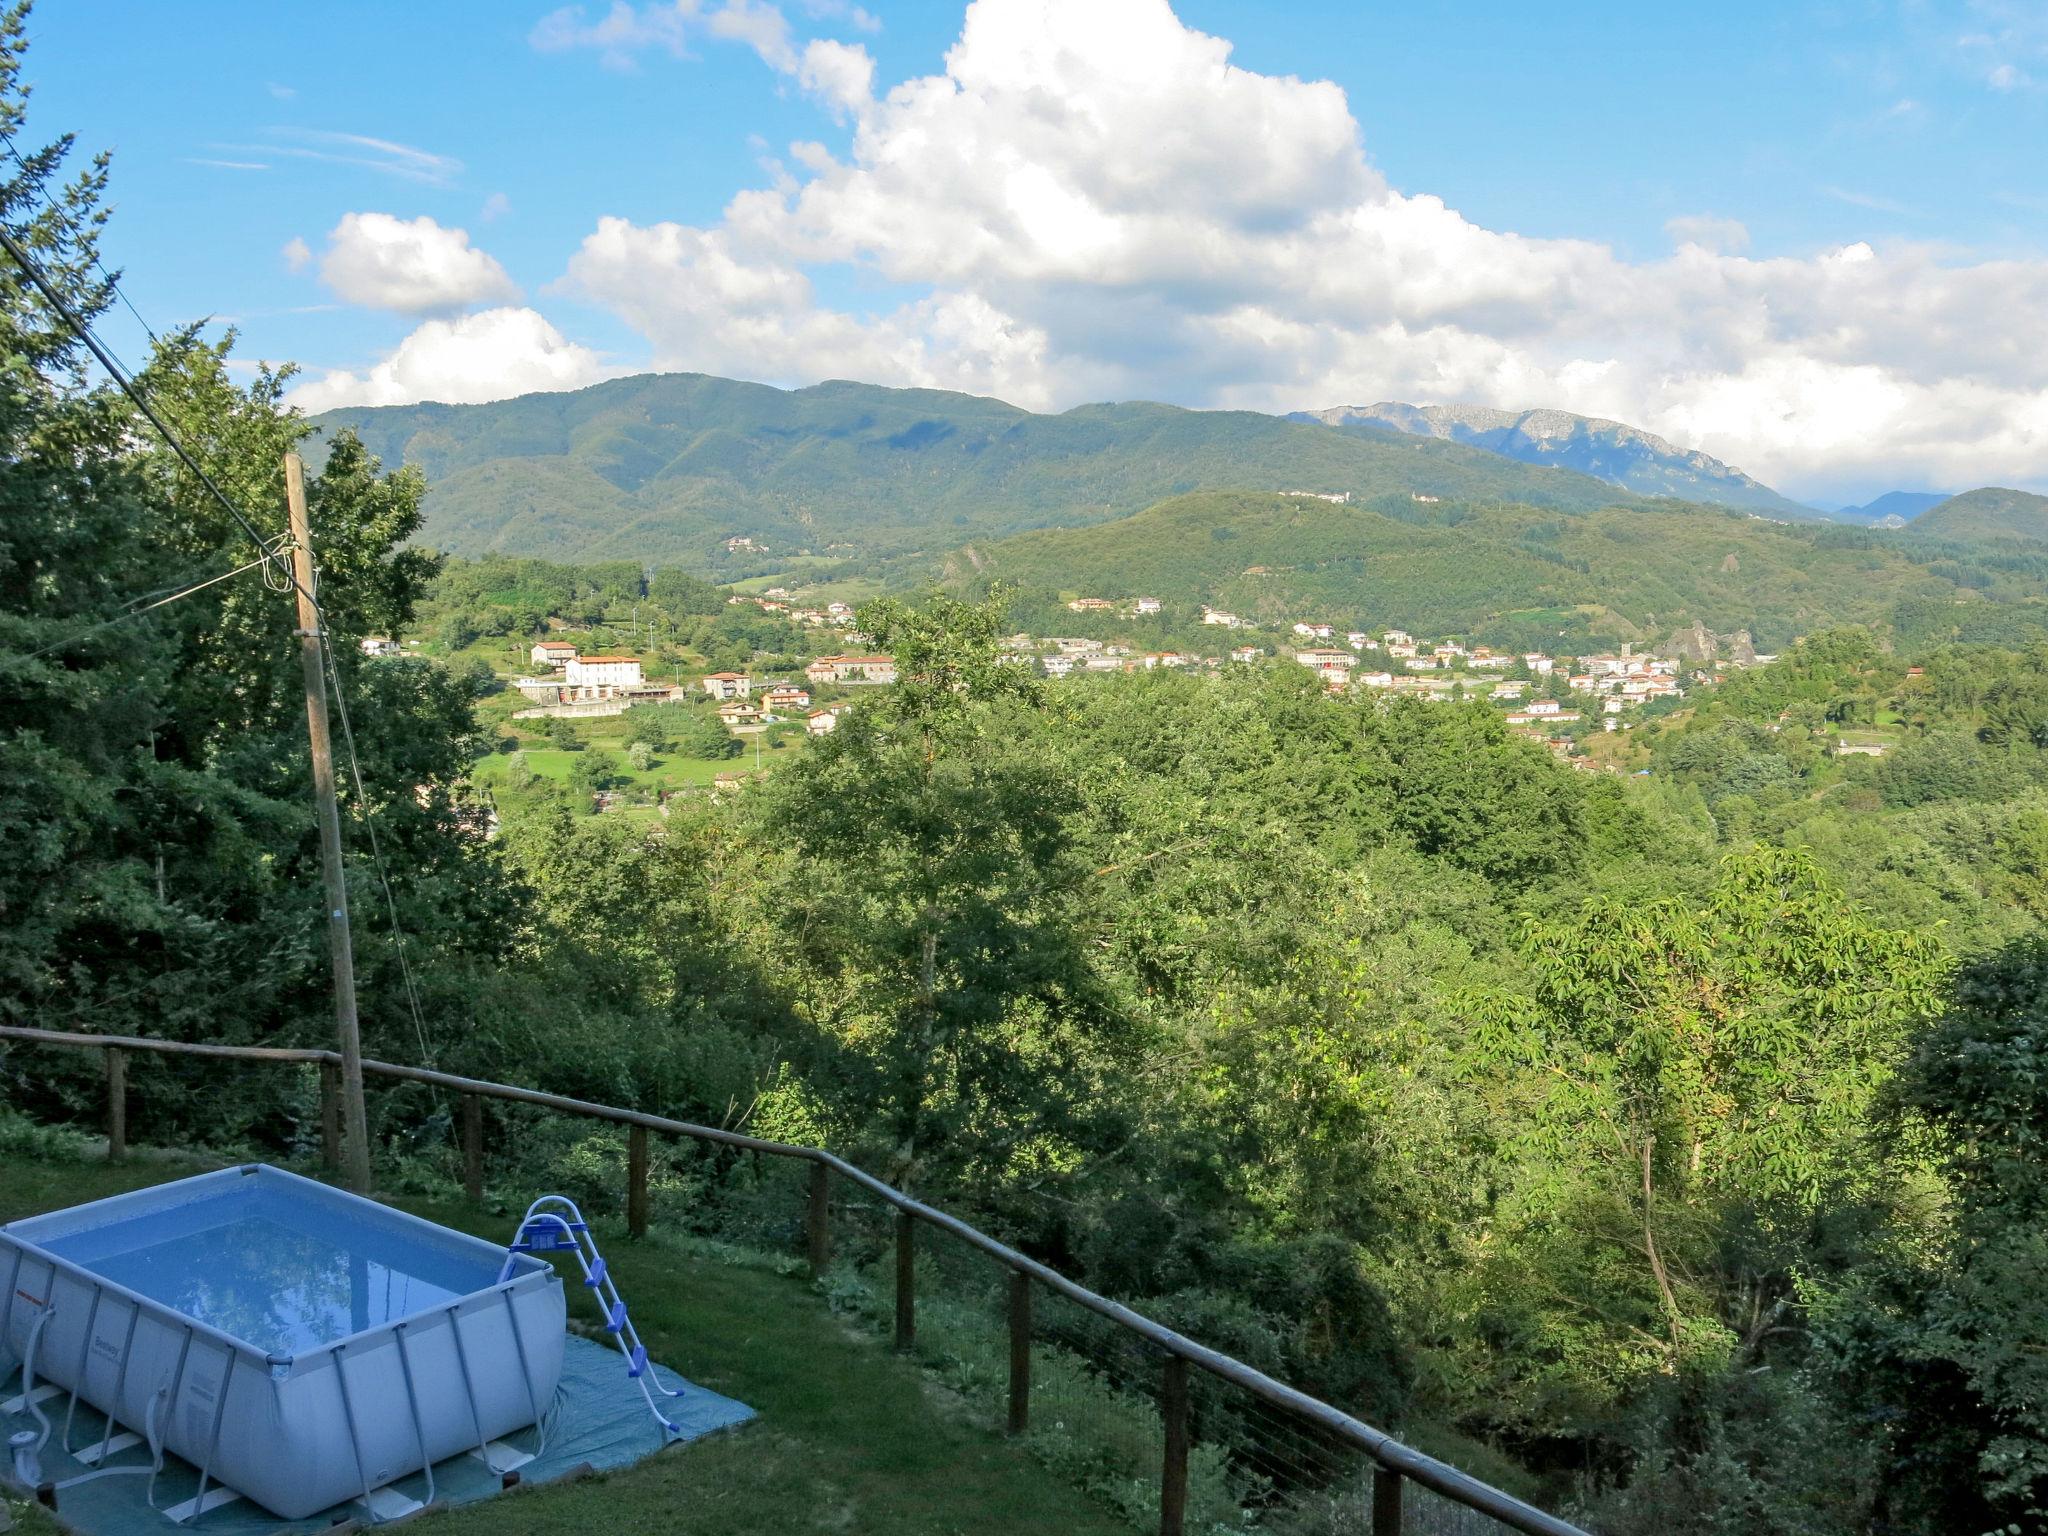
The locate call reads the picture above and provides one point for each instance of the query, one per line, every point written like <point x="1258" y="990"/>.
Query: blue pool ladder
<point x="552" y="1224"/>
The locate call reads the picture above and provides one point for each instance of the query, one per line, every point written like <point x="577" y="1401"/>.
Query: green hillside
<point x="1635" y="573"/>
<point x="1990" y="513"/>
<point x="669" y="466"/>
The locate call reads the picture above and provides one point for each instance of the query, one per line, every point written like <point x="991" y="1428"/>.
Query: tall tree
<point x="1674" y="1061"/>
<point x="158" y="864"/>
<point x="936" y="885"/>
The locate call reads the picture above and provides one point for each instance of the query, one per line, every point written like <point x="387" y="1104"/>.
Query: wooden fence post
<point x="1386" y="1502"/>
<point x="117" y="1106"/>
<point x="330" y="1116"/>
<point x="1020" y="1352"/>
<point x="818" y="1223"/>
<point x="473" y="1147"/>
<point x="636" y="1180"/>
<point x="906" y="1281"/>
<point x="1173" y="1477"/>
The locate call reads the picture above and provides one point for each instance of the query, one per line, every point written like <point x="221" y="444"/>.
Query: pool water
<point x="275" y="1270"/>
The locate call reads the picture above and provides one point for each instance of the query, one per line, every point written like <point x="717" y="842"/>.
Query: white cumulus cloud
<point x="1091" y="200"/>
<point x="485" y="356"/>
<point x="411" y="266"/>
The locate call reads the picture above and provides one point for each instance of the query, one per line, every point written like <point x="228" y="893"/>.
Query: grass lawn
<point x="667" y="772"/>
<point x="850" y="1439"/>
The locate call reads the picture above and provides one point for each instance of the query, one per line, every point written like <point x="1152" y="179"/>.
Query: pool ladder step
<point x="553" y="1224"/>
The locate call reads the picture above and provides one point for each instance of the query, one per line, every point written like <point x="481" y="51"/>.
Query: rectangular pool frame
<point x="296" y="1433"/>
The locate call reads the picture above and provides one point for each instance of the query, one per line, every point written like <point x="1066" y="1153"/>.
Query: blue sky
<point x="1912" y="130"/>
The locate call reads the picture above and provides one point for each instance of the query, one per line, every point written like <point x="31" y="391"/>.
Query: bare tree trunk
<point x="1650" y="1247"/>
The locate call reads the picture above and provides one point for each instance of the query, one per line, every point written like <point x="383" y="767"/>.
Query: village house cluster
<point x="1393" y="662"/>
<point x="590" y="685"/>
<point x="1535" y="691"/>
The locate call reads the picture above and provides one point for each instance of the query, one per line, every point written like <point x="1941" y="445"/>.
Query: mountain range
<point x="1512" y="511"/>
<point x="1612" y="451"/>
<point x="674" y="467"/>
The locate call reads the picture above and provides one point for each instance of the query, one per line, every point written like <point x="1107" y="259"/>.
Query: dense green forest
<point x="1519" y="576"/>
<point x="1990" y="513"/>
<point x="1676" y="1134"/>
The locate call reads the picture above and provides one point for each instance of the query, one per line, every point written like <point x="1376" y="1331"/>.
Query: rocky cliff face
<point x="1700" y="645"/>
<point x="1607" y="450"/>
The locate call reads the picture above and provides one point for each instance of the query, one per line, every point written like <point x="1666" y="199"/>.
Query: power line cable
<point x="113" y="283"/>
<point x="136" y="613"/>
<point x="355" y="767"/>
<point x="271" y="549"/>
<point x="83" y="332"/>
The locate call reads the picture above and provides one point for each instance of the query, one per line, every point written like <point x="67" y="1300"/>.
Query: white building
<point x="381" y="645"/>
<point x="1057" y="666"/>
<point x="553" y="653"/>
<point x="1331" y="665"/>
<point x="599" y="677"/>
<point x="728" y="685"/>
<point x="1148" y="605"/>
<point x="1218" y="616"/>
<point x="1398" y="637"/>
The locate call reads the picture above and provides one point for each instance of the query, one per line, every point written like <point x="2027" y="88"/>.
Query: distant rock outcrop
<point x="1607" y="450"/>
<point x="1696" y="643"/>
<point x="1894" y="509"/>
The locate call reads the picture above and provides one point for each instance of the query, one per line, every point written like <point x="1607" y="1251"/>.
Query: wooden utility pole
<point x="355" y="1134"/>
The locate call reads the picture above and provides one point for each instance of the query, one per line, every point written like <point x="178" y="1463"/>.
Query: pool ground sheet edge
<point x="599" y="1422"/>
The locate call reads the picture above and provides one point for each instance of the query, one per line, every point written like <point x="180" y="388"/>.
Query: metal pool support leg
<point x="348" y="1414"/>
<point x="7" y="1300"/>
<point x="501" y="1458"/>
<point x="84" y="1356"/>
<point x="476" y="1419"/>
<point x="412" y="1402"/>
<point x="111" y="1442"/>
<point x="385" y="1503"/>
<point x="202" y="1501"/>
<point x="170" y="1408"/>
<point x="519" y="1344"/>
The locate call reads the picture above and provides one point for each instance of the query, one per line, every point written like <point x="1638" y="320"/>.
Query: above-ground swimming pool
<point x="298" y="1345"/>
